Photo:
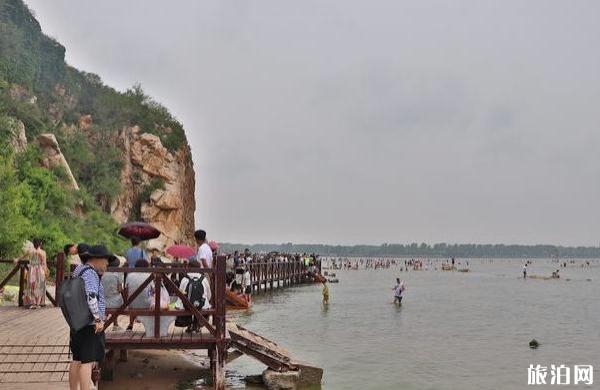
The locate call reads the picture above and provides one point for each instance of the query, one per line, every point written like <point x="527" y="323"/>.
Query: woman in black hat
<point x="87" y="345"/>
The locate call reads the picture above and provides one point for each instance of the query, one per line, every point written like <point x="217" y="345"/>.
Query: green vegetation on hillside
<point x="39" y="89"/>
<point x="34" y="202"/>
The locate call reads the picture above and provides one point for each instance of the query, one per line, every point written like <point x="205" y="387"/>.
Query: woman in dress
<point x="35" y="289"/>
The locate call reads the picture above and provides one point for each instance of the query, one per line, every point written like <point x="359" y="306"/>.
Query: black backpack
<point x="73" y="302"/>
<point x="194" y="291"/>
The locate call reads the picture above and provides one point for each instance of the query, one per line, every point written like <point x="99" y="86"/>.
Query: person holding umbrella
<point x="135" y="253"/>
<point x="137" y="232"/>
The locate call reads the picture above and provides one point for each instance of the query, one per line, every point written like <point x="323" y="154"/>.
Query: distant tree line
<point x="441" y="250"/>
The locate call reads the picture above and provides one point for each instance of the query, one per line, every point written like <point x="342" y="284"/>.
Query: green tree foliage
<point x="15" y="224"/>
<point x="34" y="202"/>
<point x="94" y="166"/>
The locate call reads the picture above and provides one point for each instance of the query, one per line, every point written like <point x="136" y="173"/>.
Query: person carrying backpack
<point x="86" y="342"/>
<point x="196" y="288"/>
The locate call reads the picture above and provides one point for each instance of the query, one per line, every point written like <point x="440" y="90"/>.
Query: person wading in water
<point x="398" y="290"/>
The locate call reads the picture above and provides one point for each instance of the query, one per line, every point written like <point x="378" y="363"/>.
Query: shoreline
<point x="160" y="369"/>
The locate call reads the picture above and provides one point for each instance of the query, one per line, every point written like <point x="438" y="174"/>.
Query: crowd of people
<point x="345" y="263"/>
<point x="107" y="289"/>
<point x="102" y="290"/>
<point x="238" y="266"/>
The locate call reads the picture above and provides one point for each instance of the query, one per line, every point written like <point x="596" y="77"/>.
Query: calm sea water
<point x="453" y="331"/>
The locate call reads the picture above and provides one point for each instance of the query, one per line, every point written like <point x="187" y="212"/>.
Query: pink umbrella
<point x="213" y="246"/>
<point x="181" y="251"/>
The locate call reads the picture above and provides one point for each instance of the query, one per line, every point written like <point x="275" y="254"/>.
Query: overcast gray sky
<point x="346" y="121"/>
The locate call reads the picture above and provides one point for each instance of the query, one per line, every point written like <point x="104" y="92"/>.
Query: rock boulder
<point x="281" y="380"/>
<point x="19" y="139"/>
<point x="52" y="157"/>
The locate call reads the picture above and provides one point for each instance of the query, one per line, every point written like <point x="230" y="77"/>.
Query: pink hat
<point x="213" y="246"/>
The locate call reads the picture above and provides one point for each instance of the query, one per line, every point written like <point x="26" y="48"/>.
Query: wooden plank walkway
<point x="34" y="349"/>
<point x="34" y="346"/>
<point x="175" y="338"/>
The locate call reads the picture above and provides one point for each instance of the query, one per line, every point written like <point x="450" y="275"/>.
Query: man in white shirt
<point x="204" y="256"/>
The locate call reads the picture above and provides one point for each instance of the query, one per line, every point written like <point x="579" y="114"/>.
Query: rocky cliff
<point x="117" y="153"/>
<point x="170" y="205"/>
<point x="157" y="186"/>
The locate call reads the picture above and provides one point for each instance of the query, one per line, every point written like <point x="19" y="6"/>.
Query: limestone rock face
<point x="169" y="208"/>
<point x="19" y="139"/>
<point x="85" y="122"/>
<point x="52" y="157"/>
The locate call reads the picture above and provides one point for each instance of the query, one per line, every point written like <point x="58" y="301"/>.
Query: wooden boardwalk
<point x="34" y="349"/>
<point x="34" y="346"/>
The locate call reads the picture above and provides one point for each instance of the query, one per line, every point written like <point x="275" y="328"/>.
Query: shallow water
<point x="454" y="330"/>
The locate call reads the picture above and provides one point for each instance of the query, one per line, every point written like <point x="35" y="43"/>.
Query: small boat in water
<point x="318" y="278"/>
<point x="542" y="277"/>
<point x="235" y="301"/>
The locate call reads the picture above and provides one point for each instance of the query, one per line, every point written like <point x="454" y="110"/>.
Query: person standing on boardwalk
<point x="247" y="285"/>
<point x="132" y="255"/>
<point x="325" y="293"/>
<point x="135" y="253"/>
<point x="113" y="285"/>
<point x="525" y="271"/>
<point x="71" y="255"/>
<point x="197" y="289"/>
<point x="398" y="290"/>
<point x="87" y="345"/>
<point x="34" y="295"/>
<point x="204" y="256"/>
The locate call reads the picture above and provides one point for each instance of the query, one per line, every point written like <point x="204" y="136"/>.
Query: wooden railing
<point x="160" y="276"/>
<point x="22" y="267"/>
<point x="286" y="272"/>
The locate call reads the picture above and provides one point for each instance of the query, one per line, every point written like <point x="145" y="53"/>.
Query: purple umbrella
<point x="141" y="230"/>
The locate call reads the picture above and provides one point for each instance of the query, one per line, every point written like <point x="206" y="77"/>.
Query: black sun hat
<point x="113" y="261"/>
<point x="99" y="252"/>
<point x="82" y="251"/>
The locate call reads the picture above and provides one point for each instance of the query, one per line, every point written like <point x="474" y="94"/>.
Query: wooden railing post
<point x="22" y="268"/>
<point x="60" y="274"/>
<point x="252" y="276"/>
<point x="157" y="288"/>
<point x="219" y="325"/>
